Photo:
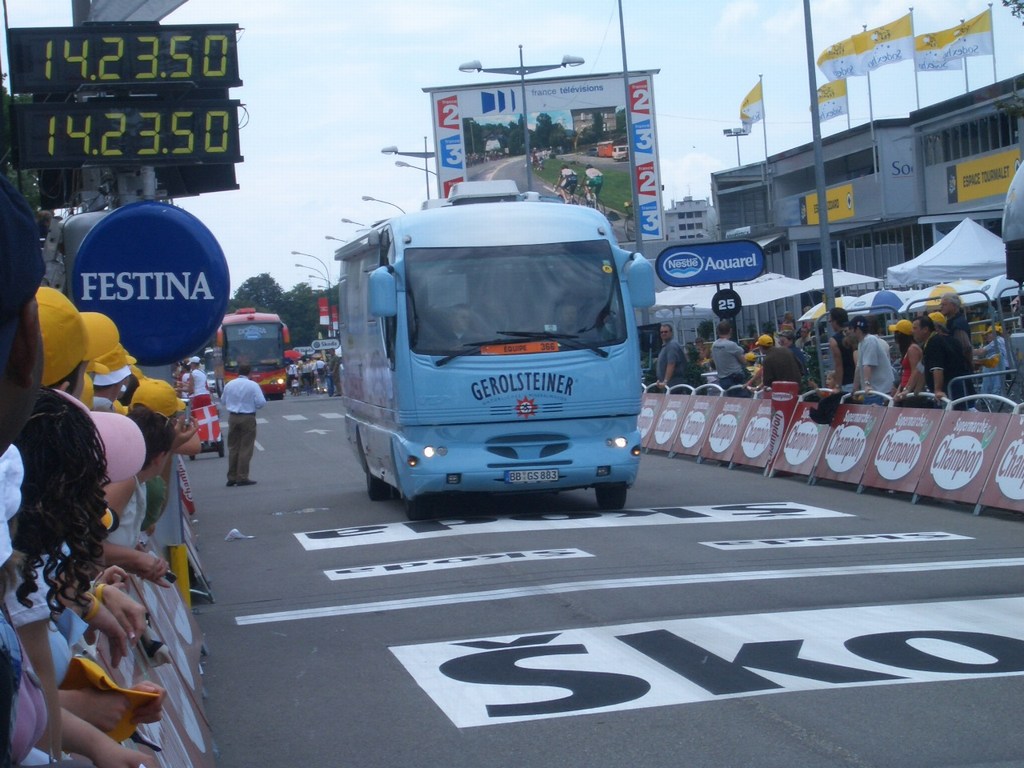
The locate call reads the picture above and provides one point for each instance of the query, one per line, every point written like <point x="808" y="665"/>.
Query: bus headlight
<point x="430" y="451"/>
<point x="616" y="442"/>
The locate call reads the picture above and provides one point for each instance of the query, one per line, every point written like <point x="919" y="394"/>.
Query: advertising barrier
<point x="754" y="445"/>
<point x="696" y="425"/>
<point x="726" y="429"/>
<point x="663" y="435"/>
<point x="962" y="456"/>
<point x="784" y="400"/>
<point x="851" y="444"/>
<point x="905" y="439"/>
<point x="961" y="459"/>
<point x="650" y="408"/>
<point x="802" y="445"/>
<point x="1004" y="488"/>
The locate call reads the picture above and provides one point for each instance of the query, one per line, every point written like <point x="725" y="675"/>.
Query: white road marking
<point x="387" y="533"/>
<point x="294" y="417"/>
<point x="448" y="563"/>
<point x="575" y="671"/>
<point x="332" y="416"/>
<point x="835" y="540"/>
<point x="633" y="583"/>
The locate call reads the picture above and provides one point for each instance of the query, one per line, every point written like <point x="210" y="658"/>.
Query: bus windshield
<point x="255" y="344"/>
<point x="458" y="298"/>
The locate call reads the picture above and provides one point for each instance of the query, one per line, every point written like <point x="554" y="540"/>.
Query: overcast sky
<point x="327" y="84"/>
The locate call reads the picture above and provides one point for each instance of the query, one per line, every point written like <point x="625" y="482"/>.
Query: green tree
<point x="261" y="292"/>
<point x="1016" y="7"/>
<point x="541" y="136"/>
<point x="299" y="311"/>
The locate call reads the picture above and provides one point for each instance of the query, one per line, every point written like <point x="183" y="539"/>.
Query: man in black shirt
<point x="942" y="361"/>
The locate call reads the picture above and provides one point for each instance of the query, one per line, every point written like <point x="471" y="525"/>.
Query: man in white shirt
<point x="874" y="365"/>
<point x="199" y="390"/>
<point x="242" y="397"/>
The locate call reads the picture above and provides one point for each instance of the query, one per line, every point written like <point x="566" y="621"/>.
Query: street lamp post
<point x="403" y="164"/>
<point x="315" y="258"/>
<point x="424" y="156"/>
<point x="737" y="132"/>
<point x="522" y="70"/>
<point x="350" y="221"/>
<point x="370" y="199"/>
<point x="332" y="237"/>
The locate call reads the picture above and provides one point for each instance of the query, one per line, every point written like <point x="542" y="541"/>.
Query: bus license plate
<point x="520" y="476"/>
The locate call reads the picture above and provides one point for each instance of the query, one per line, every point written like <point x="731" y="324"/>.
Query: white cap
<point x="193" y="359"/>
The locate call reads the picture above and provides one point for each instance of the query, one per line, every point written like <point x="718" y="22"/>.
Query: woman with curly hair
<point x="58" y="532"/>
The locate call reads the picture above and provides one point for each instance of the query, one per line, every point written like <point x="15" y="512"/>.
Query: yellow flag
<point x="888" y="44"/>
<point x="832" y="100"/>
<point x="944" y="49"/>
<point x="841" y="60"/>
<point x="752" y="108"/>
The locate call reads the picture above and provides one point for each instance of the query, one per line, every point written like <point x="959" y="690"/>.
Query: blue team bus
<point x="492" y="347"/>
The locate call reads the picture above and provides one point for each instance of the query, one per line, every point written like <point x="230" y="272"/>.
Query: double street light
<point x="424" y="156"/>
<point x="326" y="270"/>
<point x="522" y="70"/>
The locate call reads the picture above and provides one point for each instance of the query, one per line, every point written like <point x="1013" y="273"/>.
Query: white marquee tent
<point x="770" y="286"/>
<point x="969" y="252"/>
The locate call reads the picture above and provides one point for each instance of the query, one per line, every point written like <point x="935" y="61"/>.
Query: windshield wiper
<point x="470" y="348"/>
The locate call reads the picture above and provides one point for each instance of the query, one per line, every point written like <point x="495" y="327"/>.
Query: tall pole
<point x="819" y="166"/>
<point x="526" y="121"/>
<point x="426" y="169"/>
<point x="634" y="196"/>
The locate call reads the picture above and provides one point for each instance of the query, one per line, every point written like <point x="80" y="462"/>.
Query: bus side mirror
<point x="383" y="293"/>
<point x="640" y="279"/>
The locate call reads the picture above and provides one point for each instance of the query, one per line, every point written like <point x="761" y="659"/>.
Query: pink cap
<point x="122" y="440"/>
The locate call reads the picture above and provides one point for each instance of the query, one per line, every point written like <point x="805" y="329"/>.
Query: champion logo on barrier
<point x="1010" y="473"/>
<point x="957" y="461"/>
<point x="666" y="425"/>
<point x="693" y="428"/>
<point x="757" y="436"/>
<point x="800" y="442"/>
<point x="845" y="448"/>
<point x="898" y="453"/>
<point x="723" y="432"/>
<point x="646" y="419"/>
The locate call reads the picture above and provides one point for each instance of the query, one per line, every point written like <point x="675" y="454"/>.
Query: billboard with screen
<point x="478" y="129"/>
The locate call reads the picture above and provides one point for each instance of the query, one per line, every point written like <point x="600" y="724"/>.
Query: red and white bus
<point x="258" y="339"/>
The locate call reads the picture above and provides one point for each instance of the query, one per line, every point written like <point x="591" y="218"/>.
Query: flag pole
<point x="992" y="28"/>
<point x="764" y="136"/>
<point x="967" y="88"/>
<point x="917" y="90"/>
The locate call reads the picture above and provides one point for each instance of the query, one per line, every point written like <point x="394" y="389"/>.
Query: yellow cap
<point x="159" y="396"/>
<point x="66" y="340"/>
<point x="102" y="329"/>
<point x="938" y="318"/>
<point x="903" y="326"/>
<point x="765" y="341"/>
<point x="751" y="357"/>
<point x="117" y="363"/>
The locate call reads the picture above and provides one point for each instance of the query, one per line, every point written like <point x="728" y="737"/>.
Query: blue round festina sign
<point x="159" y="274"/>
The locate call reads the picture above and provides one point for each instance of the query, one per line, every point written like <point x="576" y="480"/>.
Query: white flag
<point x="841" y="60"/>
<point x="888" y="44"/>
<point x="930" y="53"/>
<point x="945" y="49"/>
<point x="752" y="108"/>
<point x="832" y="100"/>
